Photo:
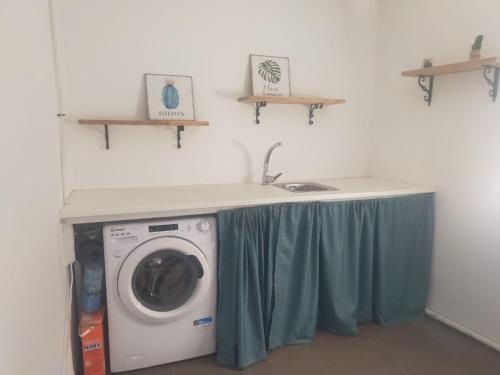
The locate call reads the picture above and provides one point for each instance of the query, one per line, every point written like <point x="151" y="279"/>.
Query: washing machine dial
<point x="203" y="226"/>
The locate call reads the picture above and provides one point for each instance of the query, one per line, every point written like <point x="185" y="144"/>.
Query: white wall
<point x="32" y="276"/>
<point x="454" y="145"/>
<point x="106" y="47"/>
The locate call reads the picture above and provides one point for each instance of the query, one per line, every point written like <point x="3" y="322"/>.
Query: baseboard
<point x="466" y="331"/>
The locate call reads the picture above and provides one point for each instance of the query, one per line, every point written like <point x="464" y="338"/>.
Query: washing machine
<point x="161" y="290"/>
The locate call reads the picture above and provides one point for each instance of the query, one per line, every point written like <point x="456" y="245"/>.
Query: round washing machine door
<point x="164" y="279"/>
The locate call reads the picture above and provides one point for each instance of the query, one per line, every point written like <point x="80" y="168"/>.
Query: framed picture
<point x="270" y="75"/>
<point x="170" y="97"/>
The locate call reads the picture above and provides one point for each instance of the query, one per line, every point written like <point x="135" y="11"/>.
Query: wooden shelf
<point x="145" y="122"/>
<point x="180" y="124"/>
<point x="487" y="65"/>
<point x="290" y="100"/>
<point x="460" y="67"/>
<point x="312" y="102"/>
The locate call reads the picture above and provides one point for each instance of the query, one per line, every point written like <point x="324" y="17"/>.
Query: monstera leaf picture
<point x="270" y="75"/>
<point x="270" y="71"/>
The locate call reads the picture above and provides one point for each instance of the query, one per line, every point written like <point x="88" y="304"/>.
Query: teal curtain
<point x="287" y="270"/>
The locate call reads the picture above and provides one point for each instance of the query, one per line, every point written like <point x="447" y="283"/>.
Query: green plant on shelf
<point x="478" y="43"/>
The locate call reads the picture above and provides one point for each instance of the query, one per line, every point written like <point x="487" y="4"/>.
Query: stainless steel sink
<point x="304" y="187"/>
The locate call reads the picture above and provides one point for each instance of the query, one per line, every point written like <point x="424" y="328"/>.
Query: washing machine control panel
<point x="126" y="236"/>
<point x="180" y="228"/>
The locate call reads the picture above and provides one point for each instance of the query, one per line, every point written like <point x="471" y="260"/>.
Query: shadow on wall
<point x="248" y="161"/>
<point x="246" y="89"/>
<point x="141" y="108"/>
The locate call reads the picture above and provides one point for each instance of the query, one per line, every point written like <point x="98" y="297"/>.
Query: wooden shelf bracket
<point x="493" y="81"/>
<point x="490" y="66"/>
<point x="258" y="106"/>
<point x="312" y="107"/>
<point x="427" y="89"/>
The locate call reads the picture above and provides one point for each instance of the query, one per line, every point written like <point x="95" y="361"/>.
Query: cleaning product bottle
<point x="93" y="271"/>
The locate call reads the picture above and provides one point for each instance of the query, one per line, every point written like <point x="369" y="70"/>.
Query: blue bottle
<point x="93" y="272"/>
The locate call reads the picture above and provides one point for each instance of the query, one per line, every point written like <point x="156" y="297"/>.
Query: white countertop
<point x="99" y="205"/>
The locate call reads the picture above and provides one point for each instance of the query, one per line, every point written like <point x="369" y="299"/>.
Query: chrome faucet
<point x="266" y="179"/>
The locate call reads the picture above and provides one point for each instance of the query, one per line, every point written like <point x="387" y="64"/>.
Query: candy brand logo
<point x="117" y="229"/>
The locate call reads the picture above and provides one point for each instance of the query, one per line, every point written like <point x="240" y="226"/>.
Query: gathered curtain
<point x="286" y="270"/>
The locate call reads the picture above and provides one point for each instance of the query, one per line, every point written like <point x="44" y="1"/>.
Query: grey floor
<point x="423" y="347"/>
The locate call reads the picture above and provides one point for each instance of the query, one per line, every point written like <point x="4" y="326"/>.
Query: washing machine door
<point x="164" y="279"/>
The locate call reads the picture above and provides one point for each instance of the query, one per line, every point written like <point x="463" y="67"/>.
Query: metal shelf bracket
<point x="493" y="81"/>
<point x="427" y="89"/>
<point x="106" y="136"/>
<point x="312" y="107"/>
<point x="179" y="130"/>
<point x="258" y="106"/>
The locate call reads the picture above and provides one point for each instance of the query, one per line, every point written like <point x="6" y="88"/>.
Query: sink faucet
<point x="266" y="179"/>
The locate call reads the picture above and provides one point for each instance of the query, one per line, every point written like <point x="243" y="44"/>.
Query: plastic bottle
<point x="93" y="271"/>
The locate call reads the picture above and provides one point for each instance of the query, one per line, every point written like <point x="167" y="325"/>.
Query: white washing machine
<point x="161" y="290"/>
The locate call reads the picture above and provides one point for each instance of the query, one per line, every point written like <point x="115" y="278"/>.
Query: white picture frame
<point x="170" y="97"/>
<point x="270" y="75"/>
